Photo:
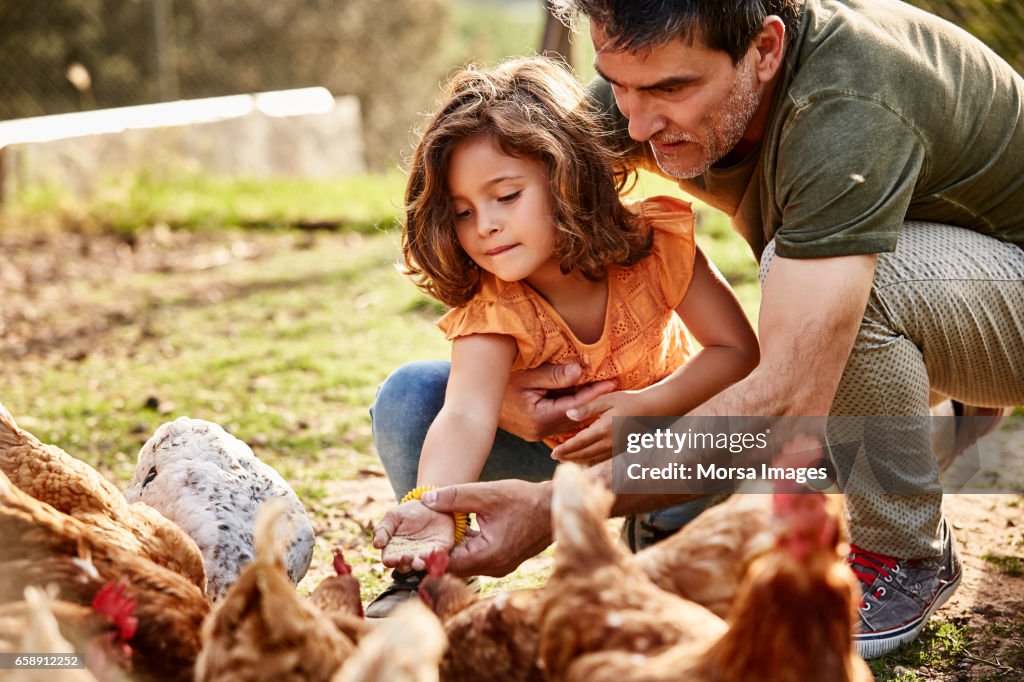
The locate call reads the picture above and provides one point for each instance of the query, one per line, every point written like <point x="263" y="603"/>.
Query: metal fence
<point x="59" y="56"/>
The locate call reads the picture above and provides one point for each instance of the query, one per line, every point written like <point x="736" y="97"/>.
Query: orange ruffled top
<point x="643" y="341"/>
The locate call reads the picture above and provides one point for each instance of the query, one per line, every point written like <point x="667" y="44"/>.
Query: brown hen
<point x="72" y="487"/>
<point x="337" y="596"/>
<point x="262" y="629"/>
<point x="598" y="599"/>
<point x="791" y="619"/>
<point x="490" y="638"/>
<point x="50" y="547"/>
<point x="103" y="631"/>
<point x="404" y="648"/>
<point x="706" y="559"/>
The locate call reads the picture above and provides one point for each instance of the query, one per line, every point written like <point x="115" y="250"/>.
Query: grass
<point x="193" y="201"/>
<point x="1007" y="565"/>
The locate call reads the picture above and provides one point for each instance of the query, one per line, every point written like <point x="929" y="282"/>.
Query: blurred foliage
<point x="999" y="23"/>
<point x="68" y="55"/>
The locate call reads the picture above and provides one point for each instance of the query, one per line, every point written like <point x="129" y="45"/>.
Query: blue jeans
<point x="406" y="405"/>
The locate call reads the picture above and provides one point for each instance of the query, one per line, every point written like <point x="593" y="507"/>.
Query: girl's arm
<point x="455" y="449"/>
<point x="729" y="352"/>
<point x="461" y="436"/>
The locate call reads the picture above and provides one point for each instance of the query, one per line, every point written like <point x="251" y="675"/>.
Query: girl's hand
<point x="410" y="532"/>
<point x="594" y="443"/>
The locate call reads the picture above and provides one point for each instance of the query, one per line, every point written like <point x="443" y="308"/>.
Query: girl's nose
<point x="488" y="225"/>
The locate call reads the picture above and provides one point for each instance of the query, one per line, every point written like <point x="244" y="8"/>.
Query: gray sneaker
<point x="402" y="588"/>
<point x="900" y="595"/>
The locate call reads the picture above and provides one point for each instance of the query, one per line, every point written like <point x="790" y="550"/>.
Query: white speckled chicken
<point x="210" y="484"/>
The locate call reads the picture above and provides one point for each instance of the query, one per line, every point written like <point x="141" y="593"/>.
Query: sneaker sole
<point x="878" y="644"/>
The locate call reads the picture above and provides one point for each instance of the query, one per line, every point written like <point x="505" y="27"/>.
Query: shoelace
<point x="862" y="561"/>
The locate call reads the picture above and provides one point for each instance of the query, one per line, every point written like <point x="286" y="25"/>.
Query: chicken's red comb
<point x="112" y="602"/>
<point x="436" y="563"/>
<point x="341" y="566"/>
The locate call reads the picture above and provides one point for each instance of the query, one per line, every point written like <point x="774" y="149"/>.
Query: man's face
<point x="689" y="102"/>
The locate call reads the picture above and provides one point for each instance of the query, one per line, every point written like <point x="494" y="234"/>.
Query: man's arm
<point x="810" y="312"/>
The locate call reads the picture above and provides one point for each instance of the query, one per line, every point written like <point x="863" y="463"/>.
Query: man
<point x="872" y="155"/>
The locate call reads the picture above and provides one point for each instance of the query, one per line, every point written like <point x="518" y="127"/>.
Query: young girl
<point x="514" y="220"/>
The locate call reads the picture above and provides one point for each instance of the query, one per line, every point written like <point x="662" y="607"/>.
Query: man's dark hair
<point x="728" y="25"/>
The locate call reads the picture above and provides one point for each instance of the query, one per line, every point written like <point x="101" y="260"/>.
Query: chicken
<point x="707" y="558"/>
<point x="103" y="631"/>
<point x="405" y="648"/>
<point x="801" y="592"/>
<point x="791" y="620"/>
<point x="72" y="487"/>
<point x="262" y="629"/>
<point x="210" y="484"/>
<point x="170" y="608"/>
<point x="30" y="626"/>
<point x="488" y="638"/>
<point x="444" y="594"/>
<point x="598" y="599"/>
<point x="337" y="597"/>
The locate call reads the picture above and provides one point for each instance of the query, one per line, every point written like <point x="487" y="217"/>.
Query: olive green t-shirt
<point x="883" y="113"/>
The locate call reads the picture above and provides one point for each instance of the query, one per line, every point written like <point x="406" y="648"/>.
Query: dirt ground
<point x="47" y="308"/>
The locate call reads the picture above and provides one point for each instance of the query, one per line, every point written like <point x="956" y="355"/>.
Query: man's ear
<point x="770" y="44"/>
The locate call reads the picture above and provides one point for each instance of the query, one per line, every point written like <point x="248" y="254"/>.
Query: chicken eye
<point x="149" y="477"/>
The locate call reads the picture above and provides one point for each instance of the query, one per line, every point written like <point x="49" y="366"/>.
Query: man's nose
<point x="644" y="120"/>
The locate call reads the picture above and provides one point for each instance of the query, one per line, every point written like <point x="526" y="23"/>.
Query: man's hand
<point x="410" y="532"/>
<point x="528" y="410"/>
<point x="594" y="443"/>
<point x="514" y="518"/>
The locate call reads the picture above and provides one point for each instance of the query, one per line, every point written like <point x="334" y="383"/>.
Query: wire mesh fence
<point x="68" y="55"/>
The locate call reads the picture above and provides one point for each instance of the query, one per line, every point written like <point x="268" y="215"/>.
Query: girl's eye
<point x="510" y="197"/>
<point x="461" y="215"/>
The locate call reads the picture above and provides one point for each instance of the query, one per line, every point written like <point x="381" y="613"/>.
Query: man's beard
<point x="724" y="129"/>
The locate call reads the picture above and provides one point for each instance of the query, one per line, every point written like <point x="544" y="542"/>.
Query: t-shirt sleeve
<point x="847" y="167"/>
<point x="485" y="316"/>
<point x="673" y="250"/>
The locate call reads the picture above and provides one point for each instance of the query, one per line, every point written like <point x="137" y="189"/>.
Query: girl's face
<point x="503" y="215"/>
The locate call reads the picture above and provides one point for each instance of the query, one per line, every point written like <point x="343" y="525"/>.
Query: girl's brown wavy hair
<point x="535" y="109"/>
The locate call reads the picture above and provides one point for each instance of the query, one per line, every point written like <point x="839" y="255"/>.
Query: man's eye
<point x="510" y="197"/>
